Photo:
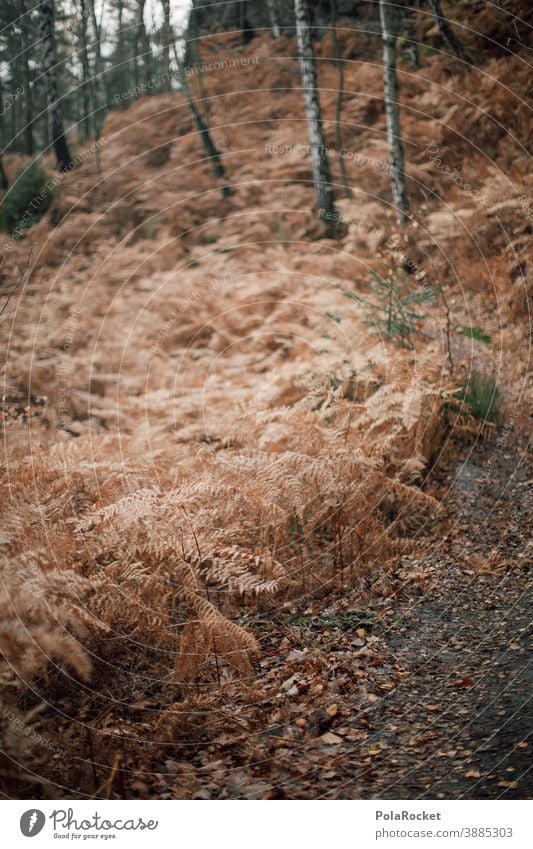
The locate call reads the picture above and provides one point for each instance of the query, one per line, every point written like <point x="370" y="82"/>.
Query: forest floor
<point x="171" y="351"/>
<point x="430" y="686"/>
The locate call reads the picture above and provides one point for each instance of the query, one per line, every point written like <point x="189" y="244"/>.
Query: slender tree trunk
<point x="99" y="92"/>
<point x="28" y="101"/>
<point x="27" y="77"/>
<point x="166" y="44"/>
<point x="191" y="58"/>
<point x="245" y="28"/>
<point x="4" y="182"/>
<point x="86" y="70"/>
<point x="142" y="42"/>
<point x="97" y="30"/>
<point x="63" y="157"/>
<point x="321" y="175"/>
<point x="389" y="22"/>
<point x="13" y="115"/>
<point x="338" y="105"/>
<point x="208" y="143"/>
<point x="446" y="30"/>
<point x="411" y="21"/>
<point x="273" y="18"/>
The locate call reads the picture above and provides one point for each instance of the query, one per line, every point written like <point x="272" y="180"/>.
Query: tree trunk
<point x="389" y="21"/>
<point x="446" y="30"/>
<point x="97" y="30"/>
<point x="245" y="28"/>
<point x="85" y="91"/>
<point x="166" y="44"/>
<point x="28" y="100"/>
<point x="142" y="42"/>
<point x="208" y="143"/>
<point x="273" y="18"/>
<point x="191" y="59"/>
<point x="411" y="21"/>
<point x="321" y="176"/>
<point x="338" y="105"/>
<point x="64" y="160"/>
<point x="4" y="182"/>
<point x="27" y="39"/>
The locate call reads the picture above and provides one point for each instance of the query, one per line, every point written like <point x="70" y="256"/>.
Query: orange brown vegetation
<point x="198" y="422"/>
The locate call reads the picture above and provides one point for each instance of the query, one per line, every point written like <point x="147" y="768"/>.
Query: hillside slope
<point x="203" y="429"/>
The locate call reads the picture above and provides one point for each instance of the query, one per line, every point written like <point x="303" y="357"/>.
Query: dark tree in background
<point x="338" y="105"/>
<point x="202" y="125"/>
<point x="446" y="30"/>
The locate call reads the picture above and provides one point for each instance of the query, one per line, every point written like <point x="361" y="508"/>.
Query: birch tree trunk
<point x="166" y="44"/>
<point x="64" y="160"/>
<point x="446" y="30"/>
<point x="319" y="159"/>
<point x="273" y="18"/>
<point x="389" y="22"/>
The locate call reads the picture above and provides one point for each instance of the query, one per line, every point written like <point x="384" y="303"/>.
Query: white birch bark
<point x="321" y="175"/>
<point x="273" y="19"/>
<point x="388" y="18"/>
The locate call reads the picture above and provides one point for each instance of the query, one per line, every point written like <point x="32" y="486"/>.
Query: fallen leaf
<point x="330" y="739"/>
<point x="473" y="773"/>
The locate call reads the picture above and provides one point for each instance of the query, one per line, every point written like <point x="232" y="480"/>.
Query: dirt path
<point x="467" y="703"/>
<point x="423" y="693"/>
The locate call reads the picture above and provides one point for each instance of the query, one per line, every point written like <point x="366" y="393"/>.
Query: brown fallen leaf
<point x="472" y="773"/>
<point x="330" y="739"/>
<point x="510" y="785"/>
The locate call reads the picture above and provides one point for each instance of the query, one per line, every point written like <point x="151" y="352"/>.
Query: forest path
<point x="432" y="702"/>
<point x="467" y="703"/>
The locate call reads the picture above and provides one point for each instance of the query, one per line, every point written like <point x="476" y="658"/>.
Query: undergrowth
<point x="26" y="200"/>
